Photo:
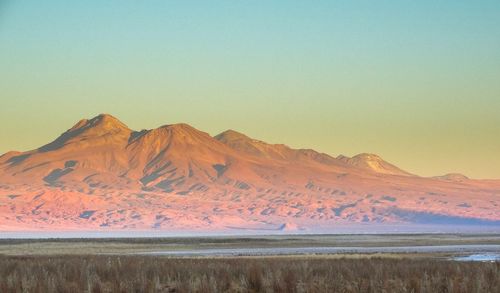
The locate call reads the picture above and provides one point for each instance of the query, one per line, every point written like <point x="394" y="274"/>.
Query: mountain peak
<point x="373" y="163"/>
<point x="102" y="124"/>
<point x="231" y="135"/>
<point x="245" y="144"/>
<point x="368" y="157"/>
<point x="103" y="121"/>
<point x="183" y="130"/>
<point x="180" y="126"/>
<point x="456" y="177"/>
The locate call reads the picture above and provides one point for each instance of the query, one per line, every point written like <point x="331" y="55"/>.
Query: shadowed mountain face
<point x="102" y="175"/>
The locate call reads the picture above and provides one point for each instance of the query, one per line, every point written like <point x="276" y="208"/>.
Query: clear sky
<point x="417" y="82"/>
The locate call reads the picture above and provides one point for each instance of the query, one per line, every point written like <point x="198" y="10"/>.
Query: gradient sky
<point x="417" y="82"/>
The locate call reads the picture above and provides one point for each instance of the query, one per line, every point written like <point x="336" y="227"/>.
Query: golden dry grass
<point x="271" y="274"/>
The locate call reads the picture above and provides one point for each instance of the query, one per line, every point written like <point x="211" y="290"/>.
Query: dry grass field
<point x="264" y="274"/>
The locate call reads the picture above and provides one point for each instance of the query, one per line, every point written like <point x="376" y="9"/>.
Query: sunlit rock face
<point x="102" y="175"/>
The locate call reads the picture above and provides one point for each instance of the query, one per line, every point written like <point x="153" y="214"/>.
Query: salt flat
<point x="457" y="244"/>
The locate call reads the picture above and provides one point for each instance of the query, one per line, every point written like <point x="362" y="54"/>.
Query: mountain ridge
<point x="100" y="174"/>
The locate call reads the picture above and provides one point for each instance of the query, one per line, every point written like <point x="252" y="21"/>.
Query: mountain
<point x="100" y="174"/>
<point x="253" y="147"/>
<point x="453" y="177"/>
<point x="373" y="163"/>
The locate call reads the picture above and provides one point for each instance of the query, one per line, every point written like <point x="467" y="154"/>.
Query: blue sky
<point x="413" y="81"/>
